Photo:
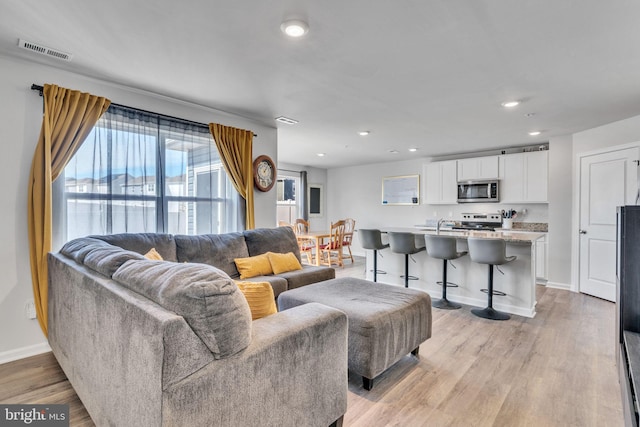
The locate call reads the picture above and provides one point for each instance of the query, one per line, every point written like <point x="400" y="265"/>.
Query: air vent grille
<point x="44" y="50"/>
<point x="286" y="120"/>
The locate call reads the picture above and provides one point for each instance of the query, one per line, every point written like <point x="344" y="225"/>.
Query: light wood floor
<point x="557" y="369"/>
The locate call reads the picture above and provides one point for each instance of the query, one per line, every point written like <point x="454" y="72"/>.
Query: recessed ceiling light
<point x="364" y="133"/>
<point x="321" y="154"/>
<point x="413" y="150"/>
<point x="534" y="133"/>
<point x="286" y="120"/>
<point x="294" y="28"/>
<point x="394" y="151"/>
<point x="510" y="104"/>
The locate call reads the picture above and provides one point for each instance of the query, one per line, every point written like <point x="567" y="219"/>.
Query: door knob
<point x="583" y="231"/>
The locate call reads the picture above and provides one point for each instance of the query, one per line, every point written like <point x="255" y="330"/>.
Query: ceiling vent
<point x="43" y="50"/>
<point x="286" y="120"/>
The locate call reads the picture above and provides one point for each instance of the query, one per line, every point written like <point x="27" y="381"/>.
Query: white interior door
<point x="606" y="180"/>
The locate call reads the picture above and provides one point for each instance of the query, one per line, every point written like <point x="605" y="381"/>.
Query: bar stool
<point x="444" y="248"/>
<point x="405" y="243"/>
<point x="372" y="239"/>
<point x="492" y="252"/>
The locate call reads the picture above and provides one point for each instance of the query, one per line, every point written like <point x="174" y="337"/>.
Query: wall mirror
<point x="401" y="190"/>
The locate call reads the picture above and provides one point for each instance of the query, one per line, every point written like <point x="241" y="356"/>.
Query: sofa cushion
<point x="281" y="263"/>
<point x="206" y="297"/>
<point x="79" y="248"/>
<point x="308" y="275"/>
<point x="253" y="266"/>
<point x="153" y="255"/>
<point x="280" y="240"/>
<point x="279" y="284"/>
<point x="107" y="259"/>
<point x="142" y="242"/>
<point x="260" y="297"/>
<point x="218" y="250"/>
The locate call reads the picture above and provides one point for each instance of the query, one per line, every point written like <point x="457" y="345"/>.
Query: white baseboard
<point x="481" y="303"/>
<point x="21" y="353"/>
<point x="556" y="285"/>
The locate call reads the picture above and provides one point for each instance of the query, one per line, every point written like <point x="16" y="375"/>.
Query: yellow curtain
<point x="236" y="150"/>
<point x="69" y="116"/>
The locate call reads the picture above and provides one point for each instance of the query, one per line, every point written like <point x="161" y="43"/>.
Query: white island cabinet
<point x="441" y="185"/>
<point x="518" y="280"/>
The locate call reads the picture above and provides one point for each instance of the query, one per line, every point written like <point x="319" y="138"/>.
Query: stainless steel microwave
<point x="478" y="191"/>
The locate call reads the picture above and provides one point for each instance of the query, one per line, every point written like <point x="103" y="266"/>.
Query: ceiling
<point x="418" y="74"/>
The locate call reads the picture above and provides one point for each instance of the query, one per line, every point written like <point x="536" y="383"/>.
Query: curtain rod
<point x="41" y="88"/>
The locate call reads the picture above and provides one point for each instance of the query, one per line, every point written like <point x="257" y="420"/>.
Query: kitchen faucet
<point x="440" y="221"/>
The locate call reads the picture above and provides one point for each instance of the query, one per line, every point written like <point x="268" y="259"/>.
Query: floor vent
<point x="43" y="50"/>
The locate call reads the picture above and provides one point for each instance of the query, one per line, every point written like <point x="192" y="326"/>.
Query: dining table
<point x="318" y="238"/>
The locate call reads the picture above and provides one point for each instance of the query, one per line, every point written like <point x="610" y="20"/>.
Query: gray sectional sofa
<point x="171" y="343"/>
<point x="219" y="250"/>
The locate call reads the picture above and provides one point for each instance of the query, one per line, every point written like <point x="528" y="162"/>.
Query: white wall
<point x="559" y="240"/>
<point x="356" y="192"/>
<point x="620" y="133"/>
<point x="314" y="176"/>
<point x="21" y="112"/>
<point x="609" y="135"/>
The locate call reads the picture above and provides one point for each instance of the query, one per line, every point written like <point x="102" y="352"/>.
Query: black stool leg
<point x="489" y="312"/>
<point x="375" y="265"/>
<point x="406" y="270"/>
<point x="444" y="303"/>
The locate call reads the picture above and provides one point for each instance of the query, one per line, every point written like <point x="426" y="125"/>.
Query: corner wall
<point x="560" y="207"/>
<point x="21" y="112"/>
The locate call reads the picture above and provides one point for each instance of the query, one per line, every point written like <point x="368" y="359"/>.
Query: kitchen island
<point x="518" y="281"/>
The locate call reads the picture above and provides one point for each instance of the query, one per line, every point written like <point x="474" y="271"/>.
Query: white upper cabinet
<point x="441" y="186"/>
<point x="478" y="168"/>
<point x="524" y="177"/>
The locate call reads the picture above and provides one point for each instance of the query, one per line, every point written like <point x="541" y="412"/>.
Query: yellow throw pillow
<point x="153" y="255"/>
<point x="253" y="266"/>
<point x="281" y="263"/>
<point x="260" y="297"/>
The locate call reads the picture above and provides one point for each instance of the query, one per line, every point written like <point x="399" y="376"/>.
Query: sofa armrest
<point x="294" y="373"/>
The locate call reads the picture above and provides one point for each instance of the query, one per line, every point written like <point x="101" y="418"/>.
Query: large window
<point x="140" y="172"/>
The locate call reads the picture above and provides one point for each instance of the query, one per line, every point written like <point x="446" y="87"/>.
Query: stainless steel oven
<point x="478" y="191"/>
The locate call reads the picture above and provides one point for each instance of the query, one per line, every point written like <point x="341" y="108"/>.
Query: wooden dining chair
<point x="282" y="223"/>
<point x="349" y="227"/>
<point x="301" y="227"/>
<point x="331" y="252"/>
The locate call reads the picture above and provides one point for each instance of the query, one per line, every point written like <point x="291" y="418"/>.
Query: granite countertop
<point x="536" y="227"/>
<point x="510" y="236"/>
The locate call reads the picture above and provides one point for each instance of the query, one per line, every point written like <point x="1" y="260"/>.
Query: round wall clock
<point x="264" y="173"/>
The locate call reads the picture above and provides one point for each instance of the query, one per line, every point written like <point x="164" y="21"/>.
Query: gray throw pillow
<point x="79" y="248"/>
<point x="106" y="260"/>
<point x="205" y="296"/>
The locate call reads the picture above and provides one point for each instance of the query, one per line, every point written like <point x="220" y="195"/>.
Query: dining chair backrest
<point x="282" y="223"/>
<point x="337" y="235"/>
<point x="349" y="227"/>
<point x="301" y="226"/>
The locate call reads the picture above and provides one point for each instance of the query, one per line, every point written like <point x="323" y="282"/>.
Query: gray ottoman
<point x="385" y="322"/>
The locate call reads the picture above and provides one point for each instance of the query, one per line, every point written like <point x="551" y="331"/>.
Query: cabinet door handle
<point x="583" y="231"/>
